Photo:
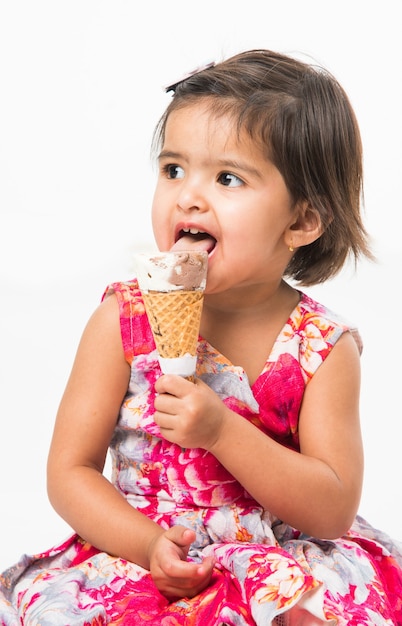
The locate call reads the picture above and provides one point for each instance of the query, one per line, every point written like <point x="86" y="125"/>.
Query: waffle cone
<point x="174" y="318"/>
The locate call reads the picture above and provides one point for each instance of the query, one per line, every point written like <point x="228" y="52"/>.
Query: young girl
<point x="234" y="498"/>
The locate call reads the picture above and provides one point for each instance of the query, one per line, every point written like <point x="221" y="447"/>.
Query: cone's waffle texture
<point x="174" y="318"/>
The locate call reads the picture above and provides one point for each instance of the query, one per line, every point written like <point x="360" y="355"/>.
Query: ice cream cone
<point x="174" y="318"/>
<point x="172" y="286"/>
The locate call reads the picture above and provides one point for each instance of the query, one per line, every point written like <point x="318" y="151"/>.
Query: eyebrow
<point x="169" y="154"/>
<point x="239" y="165"/>
<point x="227" y="164"/>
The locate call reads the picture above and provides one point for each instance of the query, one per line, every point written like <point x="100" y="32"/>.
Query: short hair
<point x="306" y="126"/>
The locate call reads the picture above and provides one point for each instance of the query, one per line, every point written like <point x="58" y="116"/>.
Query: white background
<point x="80" y="93"/>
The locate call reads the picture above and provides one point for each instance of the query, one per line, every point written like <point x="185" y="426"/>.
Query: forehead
<point x="201" y="115"/>
<point x="203" y="123"/>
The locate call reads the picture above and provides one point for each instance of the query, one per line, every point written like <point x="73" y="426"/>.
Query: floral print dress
<point x="266" y="572"/>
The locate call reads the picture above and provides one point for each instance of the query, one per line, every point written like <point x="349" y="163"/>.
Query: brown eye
<point x="229" y="180"/>
<point x="174" y="171"/>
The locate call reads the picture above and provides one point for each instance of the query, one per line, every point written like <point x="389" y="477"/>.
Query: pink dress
<point x="266" y="572"/>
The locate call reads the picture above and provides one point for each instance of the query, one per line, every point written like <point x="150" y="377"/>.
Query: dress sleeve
<point x="357" y="337"/>
<point x="136" y="333"/>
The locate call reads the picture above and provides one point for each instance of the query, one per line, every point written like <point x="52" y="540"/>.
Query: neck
<point x="244" y="326"/>
<point x="251" y="302"/>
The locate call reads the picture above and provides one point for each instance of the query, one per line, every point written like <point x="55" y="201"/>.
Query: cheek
<point x="160" y="225"/>
<point x="241" y="229"/>
<point x="155" y="217"/>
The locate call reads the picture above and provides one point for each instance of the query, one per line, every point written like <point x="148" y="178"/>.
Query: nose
<point x="192" y="196"/>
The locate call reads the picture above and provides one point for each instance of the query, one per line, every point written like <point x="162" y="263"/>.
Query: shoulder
<point x="134" y="327"/>
<point x="126" y="292"/>
<point x="314" y="318"/>
<point x="313" y="332"/>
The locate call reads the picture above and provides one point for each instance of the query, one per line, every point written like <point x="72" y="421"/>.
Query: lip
<point x="182" y="227"/>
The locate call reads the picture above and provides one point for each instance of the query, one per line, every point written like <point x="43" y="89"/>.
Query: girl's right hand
<point x="172" y="573"/>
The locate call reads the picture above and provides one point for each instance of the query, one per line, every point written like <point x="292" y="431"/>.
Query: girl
<point x="233" y="499"/>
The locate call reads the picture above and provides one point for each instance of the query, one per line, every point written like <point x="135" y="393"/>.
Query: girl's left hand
<point x="188" y="413"/>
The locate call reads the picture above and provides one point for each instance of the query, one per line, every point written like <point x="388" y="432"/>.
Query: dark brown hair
<point x="305" y="124"/>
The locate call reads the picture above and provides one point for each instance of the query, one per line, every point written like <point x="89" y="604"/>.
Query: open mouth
<point x="194" y="239"/>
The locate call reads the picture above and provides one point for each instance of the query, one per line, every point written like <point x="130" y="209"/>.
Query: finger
<point x="181" y="536"/>
<point x="172" y="384"/>
<point x="198" y="576"/>
<point x="182" y="572"/>
<point x="207" y="565"/>
<point x="166" y="403"/>
<point x="184" y="578"/>
<point x="174" y="592"/>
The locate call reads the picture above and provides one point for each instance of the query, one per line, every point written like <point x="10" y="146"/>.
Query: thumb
<point x="181" y="536"/>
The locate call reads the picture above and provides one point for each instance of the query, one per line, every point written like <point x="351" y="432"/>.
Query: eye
<point x="173" y="171"/>
<point x="229" y="180"/>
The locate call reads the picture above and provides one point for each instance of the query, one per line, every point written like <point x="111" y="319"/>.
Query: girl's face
<point x="218" y="192"/>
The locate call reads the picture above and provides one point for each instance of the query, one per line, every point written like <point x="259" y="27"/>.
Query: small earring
<point x="291" y="248"/>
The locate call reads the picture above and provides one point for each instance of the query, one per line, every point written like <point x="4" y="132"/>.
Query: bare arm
<point x="84" y="425"/>
<point x="317" y="491"/>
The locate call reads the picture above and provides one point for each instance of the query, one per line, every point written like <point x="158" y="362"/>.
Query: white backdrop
<point x="80" y="93"/>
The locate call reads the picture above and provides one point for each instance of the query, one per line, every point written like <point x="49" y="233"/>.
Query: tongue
<point x="190" y="243"/>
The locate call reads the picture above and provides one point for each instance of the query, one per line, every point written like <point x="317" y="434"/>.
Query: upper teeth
<point x="193" y="231"/>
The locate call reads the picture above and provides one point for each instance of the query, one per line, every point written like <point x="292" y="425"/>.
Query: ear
<point x="305" y="227"/>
